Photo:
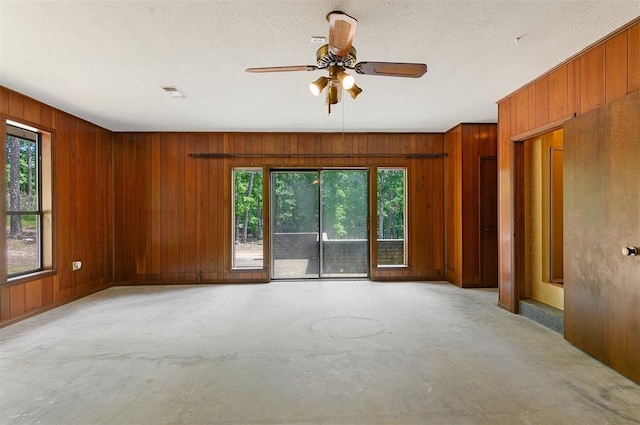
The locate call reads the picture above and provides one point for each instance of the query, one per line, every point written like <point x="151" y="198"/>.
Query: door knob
<point x="630" y="251"/>
<point x="487" y="229"/>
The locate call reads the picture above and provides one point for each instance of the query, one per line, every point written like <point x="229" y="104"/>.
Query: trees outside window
<point x="24" y="212"/>
<point x="391" y="207"/>
<point x="247" y="218"/>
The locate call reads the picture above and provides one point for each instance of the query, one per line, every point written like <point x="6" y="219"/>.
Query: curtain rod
<point x="312" y="155"/>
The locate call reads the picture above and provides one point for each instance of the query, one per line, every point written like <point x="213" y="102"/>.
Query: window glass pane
<point x="247" y="212"/>
<point x="23" y="219"/>
<point x="391" y="216"/>
<point x="22" y="174"/>
<point x="23" y="244"/>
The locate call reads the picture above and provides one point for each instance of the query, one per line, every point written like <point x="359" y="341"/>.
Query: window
<point x="247" y="214"/>
<point x="23" y="201"/>
<point x="28" y="200"/>
<point x="391" y="207"/>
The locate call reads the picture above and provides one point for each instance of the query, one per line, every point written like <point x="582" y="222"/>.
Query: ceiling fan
<point x="338" y="55"/>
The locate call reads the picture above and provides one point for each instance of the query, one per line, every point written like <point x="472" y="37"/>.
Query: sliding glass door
<point x="295" y="220"/>
<point x="319" y="222"/>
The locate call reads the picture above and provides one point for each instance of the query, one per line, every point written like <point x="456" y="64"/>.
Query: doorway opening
<point x="319" y="224"/>
<point x="541" y="191"/>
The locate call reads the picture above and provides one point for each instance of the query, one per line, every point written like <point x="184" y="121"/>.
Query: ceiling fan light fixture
<point x="354" y="91"/>
<point x="346" y="80"/>
<point x="318" y="85"/>
<point x="333" y="94"/>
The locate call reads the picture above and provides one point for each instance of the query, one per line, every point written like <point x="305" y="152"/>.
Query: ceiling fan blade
<point x="392" y="69"/>
<point x="342" y="28"/>
<point x="283" y="68"/>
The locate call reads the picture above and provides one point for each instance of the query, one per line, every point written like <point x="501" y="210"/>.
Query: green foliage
<point x="248" y="202"/>
<point x="29" y="222"/>
<point x="295" y="202"/>
<point x="391" y="198"/>
<point x="345" y="202"/>
<point x="27" y="162"/>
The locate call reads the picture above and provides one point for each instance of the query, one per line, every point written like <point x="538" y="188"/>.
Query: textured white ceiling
<point x="105" y="61"/>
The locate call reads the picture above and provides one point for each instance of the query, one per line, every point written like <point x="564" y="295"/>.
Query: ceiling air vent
<point x="172" y="91"/>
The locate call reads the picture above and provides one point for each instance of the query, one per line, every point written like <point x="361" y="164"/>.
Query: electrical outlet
<point x="76" y="265"/>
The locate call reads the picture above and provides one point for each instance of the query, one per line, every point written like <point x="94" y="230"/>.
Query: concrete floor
<point x="348" y="352"/>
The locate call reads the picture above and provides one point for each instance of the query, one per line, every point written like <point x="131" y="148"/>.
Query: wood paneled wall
<point x="601" y="74"/>
<point x="466" y="145"/>
<point x="173" y="212"/>
<point x="83" y="205"/>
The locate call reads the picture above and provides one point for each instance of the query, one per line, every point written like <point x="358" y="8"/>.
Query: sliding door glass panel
<point x="344" y="247"/>
<point x="247" y="214"/>
<point x="294" y="224"/>
<point x="391" y="207"/>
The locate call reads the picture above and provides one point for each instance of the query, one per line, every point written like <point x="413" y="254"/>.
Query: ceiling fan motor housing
<point x="326" y="58"/>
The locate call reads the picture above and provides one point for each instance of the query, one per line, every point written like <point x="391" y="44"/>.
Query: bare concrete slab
<point x="317" y="352"/>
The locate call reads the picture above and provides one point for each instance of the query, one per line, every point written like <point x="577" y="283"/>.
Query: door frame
<point x="518" y="288"/>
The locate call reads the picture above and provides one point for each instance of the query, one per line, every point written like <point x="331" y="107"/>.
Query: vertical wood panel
<point x="141" y="213"/>
<point x="505" y="211"/>
<point x="18" y="295"/>
<point x="574" y="80"/>
<point x="616" y="67"/>
<point x="557" y="95"/>
<point x="181" y="227"/>
<point x="62" y="188"/>
<point x="531" y="94"/>
<point x="171" y="201"/>
<point x="199" y="204"/>
<point x="33" y="295"/>
<point x="469" y="205"/>
<point x="47" y="291"/>
<point x="437" y="199"/>
<point x="32" y="111"/>
<point x="420" y="250"/>
<point x="190" y="231"/>
<point x="118" y="210"/>
<point x="16" y="105"/>
<point x="155" y="208"/>
<point x="78" y="219"/>
<point x="4" y="101"/>
<point x="520" y="112"/>
<point x="633" y="55"/>
<point x="46" y="114"/>
<point x="108" y="246"/>
<point x="215" y="211"/>
<point x="542" y="102"/>
<point x="592" y="81"/>
<point x="130" y="205"/>
<point x="103" y="212"/>
<point x="5" y="304"/>
<point x="224" y="208"/>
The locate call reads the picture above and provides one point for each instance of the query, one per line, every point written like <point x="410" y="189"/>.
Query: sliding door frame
<point x="319" y="170"/>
